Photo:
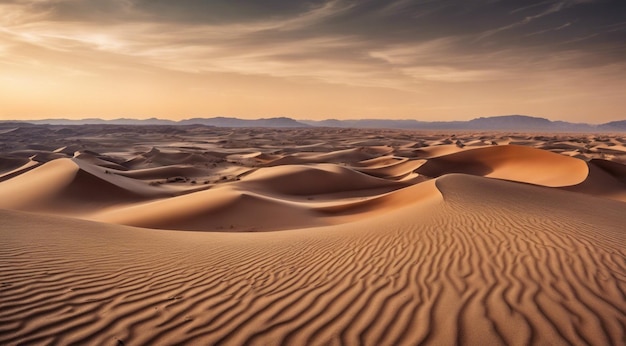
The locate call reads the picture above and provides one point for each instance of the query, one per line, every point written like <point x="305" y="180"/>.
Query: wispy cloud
<point x="553" y="8"/>
<point x="560" y="27"/>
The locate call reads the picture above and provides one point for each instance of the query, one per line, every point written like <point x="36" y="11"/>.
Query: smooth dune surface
<point x="195" y="235"/>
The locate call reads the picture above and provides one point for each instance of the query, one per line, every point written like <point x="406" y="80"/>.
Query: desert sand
<point x="168" y="235"/>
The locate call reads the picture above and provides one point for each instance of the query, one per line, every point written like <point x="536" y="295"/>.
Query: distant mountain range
<point x="503" y="123"/>
<point x="235" y="122"/>
<point x="217" y="122"/>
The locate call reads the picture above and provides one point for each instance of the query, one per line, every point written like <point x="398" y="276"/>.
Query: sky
<point x="318" y="59"/>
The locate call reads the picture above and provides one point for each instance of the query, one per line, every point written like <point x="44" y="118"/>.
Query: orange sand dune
<point x="351" y="210"/>
<point x="313" y="180"/>
<point x="70" y="187"/>
<point x="511" y="162"/>
<point x="436" y="151"/>
<point x="165" y="172"/>
<point x="397" y="170"/>
<point x="379" y="162"/>
<point x="260" y="195"/>
<point x="219" y="209"/>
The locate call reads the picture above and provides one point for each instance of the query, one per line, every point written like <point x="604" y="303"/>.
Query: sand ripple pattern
<point x="439" y="272"/>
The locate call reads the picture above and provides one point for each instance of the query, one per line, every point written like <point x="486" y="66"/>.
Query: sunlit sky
<point x="318" y="59"/>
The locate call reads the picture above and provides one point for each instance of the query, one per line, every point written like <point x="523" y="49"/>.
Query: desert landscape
<point x="317" y="172"/>
<point x="190" y="234"/>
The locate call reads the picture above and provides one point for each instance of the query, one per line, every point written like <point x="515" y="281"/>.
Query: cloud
<point x="452" y="75"/>
<point x="406" y="45"/>
<point x="553" y="7"/>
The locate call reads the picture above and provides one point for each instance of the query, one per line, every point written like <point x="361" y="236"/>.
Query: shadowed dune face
<point x="617" y="170"/>
<point x="310" y="236"/>
<point x="54" y="185"/>
<point x="9" y="163"/>
<point x="606" y="179"/>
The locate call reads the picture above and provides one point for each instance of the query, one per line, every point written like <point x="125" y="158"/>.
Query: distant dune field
<point x="169" y="235"/>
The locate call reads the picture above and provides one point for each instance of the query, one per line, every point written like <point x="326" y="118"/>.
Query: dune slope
<point x="221" y="209"/>
<point x="67" y="186"/>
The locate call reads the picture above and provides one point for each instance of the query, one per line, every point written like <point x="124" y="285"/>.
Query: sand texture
<point x="162" y="235"/>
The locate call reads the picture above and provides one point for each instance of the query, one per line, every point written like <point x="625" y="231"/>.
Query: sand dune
<point x="427" y="152"/>
<point x="38" y="155"/>
<point x="165" y="172"/>
<point x="14" y="167"/>
<point x="345" y="156"/>
<point x="9" y="163"/>
<point x="220" y="209"/>
<point x="95" y="159"/>
<point x="310" y="236"/>
<point x="158" y="158"/>
<point x="287" y="196"/>
<point x="66" y="186"/>
<point x="617" y="170"/>
<point x="397" y="170"/>
<point x="605" y="179"/>
<point x="313" y="180"/>
<point x="511" y="162"/>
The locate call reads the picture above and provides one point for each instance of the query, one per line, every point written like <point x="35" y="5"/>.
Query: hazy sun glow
<point x="562" y="59"/>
